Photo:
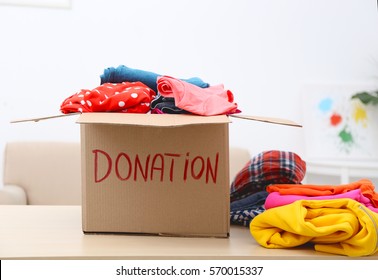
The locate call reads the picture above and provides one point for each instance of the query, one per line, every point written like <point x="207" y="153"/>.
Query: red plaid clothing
<point x="121" y="97"/>
<point x="269" y="167"/>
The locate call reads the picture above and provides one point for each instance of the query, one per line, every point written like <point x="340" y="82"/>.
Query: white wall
<point x="262" y="50"/>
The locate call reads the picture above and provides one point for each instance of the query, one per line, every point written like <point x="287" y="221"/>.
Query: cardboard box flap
<point x="149" y="119"/>
<point x="267" y="119"/>
<point x="158" y="120"/>
<point x="37" y="119"/>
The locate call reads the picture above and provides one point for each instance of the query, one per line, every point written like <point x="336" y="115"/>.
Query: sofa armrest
<point x="12" y="194"/>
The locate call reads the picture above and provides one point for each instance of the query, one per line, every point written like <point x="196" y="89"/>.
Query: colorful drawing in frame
<point x="337" y="127"/>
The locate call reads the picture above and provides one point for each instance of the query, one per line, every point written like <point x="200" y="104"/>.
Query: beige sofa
<point x="48" y="173"/>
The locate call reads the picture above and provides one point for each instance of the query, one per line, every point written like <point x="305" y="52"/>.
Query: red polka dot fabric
<point x="120" y="97"/>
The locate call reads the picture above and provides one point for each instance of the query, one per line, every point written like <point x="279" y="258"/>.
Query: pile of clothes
<point x="128" y="90"/>
<point x="248" y="189"/>
<point x="268" y="196"/>
<point x="341" y="219"/>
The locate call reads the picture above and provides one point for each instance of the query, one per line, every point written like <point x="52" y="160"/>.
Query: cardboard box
<point x="155" y="174"/>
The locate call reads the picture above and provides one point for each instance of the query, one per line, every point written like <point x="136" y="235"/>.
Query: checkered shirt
<point x="268" y="167"/>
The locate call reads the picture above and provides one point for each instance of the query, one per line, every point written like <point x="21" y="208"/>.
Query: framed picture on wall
<point x="337" y="127"/>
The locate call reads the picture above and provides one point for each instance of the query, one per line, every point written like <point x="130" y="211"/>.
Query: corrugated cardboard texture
<point x="156" y="180"/>
<point x="150" y="119"/>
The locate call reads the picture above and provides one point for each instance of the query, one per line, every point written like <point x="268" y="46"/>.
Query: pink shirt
<point x="275" y="199"/>
<point x="214" y="100"/>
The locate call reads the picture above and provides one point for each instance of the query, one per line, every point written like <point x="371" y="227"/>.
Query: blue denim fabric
<point x="244" y="217"/>
<point x="126" y="74"/>
<point x="250" y="201"/>
<point x="242" y="211"/>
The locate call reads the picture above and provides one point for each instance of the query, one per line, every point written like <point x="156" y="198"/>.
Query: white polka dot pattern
<point x="120" y="97"/>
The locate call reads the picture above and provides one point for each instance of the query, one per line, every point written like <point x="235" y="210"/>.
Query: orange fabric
<point x="365" y="185"/>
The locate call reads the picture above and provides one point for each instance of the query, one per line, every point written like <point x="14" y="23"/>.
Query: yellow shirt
<point x="337" y="226"/>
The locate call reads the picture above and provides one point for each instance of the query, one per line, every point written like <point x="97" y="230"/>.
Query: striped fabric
<point x="268" y="167"/>
<point x="248" y="189"/>
<point x="244" y="217"/>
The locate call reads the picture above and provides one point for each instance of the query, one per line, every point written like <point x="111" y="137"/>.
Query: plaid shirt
<point x="268" y="167"/>
<point x="244" y="217"/>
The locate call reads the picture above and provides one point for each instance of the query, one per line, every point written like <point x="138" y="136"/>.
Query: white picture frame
<point x="337" y="127"/>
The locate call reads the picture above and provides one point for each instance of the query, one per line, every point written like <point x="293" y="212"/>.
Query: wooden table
<point x="54" y="232"/>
